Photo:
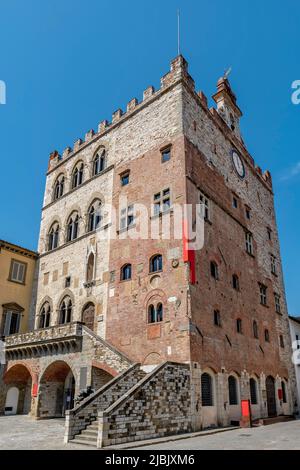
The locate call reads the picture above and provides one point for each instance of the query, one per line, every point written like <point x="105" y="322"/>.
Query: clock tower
<point x="227" y="107"/>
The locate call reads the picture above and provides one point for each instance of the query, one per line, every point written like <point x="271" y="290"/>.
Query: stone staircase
<point x="88" y="436"/>
<point x="82" y="421"/>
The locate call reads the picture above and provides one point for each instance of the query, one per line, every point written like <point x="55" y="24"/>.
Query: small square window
<point x="125" y="179"/>
<point x="235" y="202"/>
<point x="248" y="213"/>
<point x="166" y="155"/>
<point x="68" y="281"/>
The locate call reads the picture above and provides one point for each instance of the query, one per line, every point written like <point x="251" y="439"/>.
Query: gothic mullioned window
<point x="45" y="316"/>
<point x="72" y="227"/>
<point x="59" y="187"/>
<point x="99" y="162"/>
<point x="65" y="311"/>
<point x="77" y="176"/>
<point x="53" y="236"/>
<point x="155" y="313"/>
<point x="94" y="216"/>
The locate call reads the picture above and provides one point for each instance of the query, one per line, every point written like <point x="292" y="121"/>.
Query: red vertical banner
<point x="189" y="256"/>
<point x="35" y="388"/>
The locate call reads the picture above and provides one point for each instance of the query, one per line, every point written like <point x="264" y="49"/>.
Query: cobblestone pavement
<point x="281" y="436"/>
<point x="22" y="432"/>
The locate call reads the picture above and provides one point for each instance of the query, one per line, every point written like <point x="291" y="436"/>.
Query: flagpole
<point x="178" y="32"/>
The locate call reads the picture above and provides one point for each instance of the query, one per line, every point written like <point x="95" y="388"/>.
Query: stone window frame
<point x="79" y="167"/>
<point x="253" y="385"/>
<point x="60" y="183"/>
<point x="78" y="217"/>
<point x="102" y="157"/>
<point x="263" y="290"/>
<point x="152" y="258"/>
<point x="157" y="308"/>
<point x="160" y="198"/>
<point x="122" y="272"/>
<point x="206" y="203"/>
<point x="55" y="234"/>
<point x="277" y="300"/>
<point x="164" y="150"/>
<point x="47" y="315"/>
<point x="96" y="200"/>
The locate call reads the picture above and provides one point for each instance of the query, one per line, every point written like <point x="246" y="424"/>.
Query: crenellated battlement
<point x="224" y="98"/>
<point x="178" y="71"/>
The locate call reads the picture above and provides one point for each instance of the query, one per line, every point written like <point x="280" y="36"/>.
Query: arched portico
<point x="18" y="383"/>
<point x="56" y="390"/>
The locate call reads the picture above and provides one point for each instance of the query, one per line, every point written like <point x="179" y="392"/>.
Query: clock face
<point x="238" y="164"/>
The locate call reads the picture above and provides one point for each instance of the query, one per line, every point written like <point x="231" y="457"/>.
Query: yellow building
<point x="17" y="268"/>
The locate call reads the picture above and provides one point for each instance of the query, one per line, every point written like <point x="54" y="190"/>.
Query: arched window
<point x="126" y="272"/>
<point x="235" y="282"/>
<point x="214" y="270"/>
<point x="239" y="326"/>
<point x="253" y="391"/>
<point x="155" y="313"/>
<point x="53" y="236"/>
<point x="77" y="177"/>
<point x="267" y="336"/>
<point x="156" y="264"/>
<point x="90" y="268"/>
<point x="59" y="187"/>
<point x="283" y="388"/>
<point x="207" y="390"/>
<point x="72" y="227"/>
<point x="99" y="162"/>
<point x="255" y="330"/>
<point x="233" y="393"/>
<point x="45" y="315"/>
<point x="65" y="311"/>
<point x="94" y="216"/>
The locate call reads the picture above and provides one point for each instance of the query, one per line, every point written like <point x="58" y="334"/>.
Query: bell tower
<point x="227" y="107"/>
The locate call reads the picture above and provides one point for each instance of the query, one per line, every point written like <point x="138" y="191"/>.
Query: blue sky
<point x="68" y="64"/>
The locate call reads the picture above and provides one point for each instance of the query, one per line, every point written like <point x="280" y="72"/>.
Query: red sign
<point x="35" y="388"/>
<point x="246" y="409"/>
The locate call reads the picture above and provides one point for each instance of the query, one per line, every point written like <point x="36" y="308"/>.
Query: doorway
<point x="271" y="397"/>
<point x="88" y="316"/>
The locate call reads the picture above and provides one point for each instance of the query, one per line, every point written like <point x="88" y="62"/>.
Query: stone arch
<point x="56" y="390"/>
<point x="88" y="315"/>
<point x="209" y="397"/>
<point x="101" y="374"/>
<point x="19" y="376"/>
<point x="153" y="358"/>
<point x="234" y="396"/>
<point x="155" y="297"/>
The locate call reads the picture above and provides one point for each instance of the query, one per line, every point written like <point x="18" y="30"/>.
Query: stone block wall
<point x="157" y="406"/>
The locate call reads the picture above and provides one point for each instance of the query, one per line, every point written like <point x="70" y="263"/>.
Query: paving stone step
<point x="89" y="432"/>
<point x="87" y="438"/>
<point x="84" y="443"/>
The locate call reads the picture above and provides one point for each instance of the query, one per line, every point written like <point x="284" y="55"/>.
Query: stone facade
<point x="223" y="312"/>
